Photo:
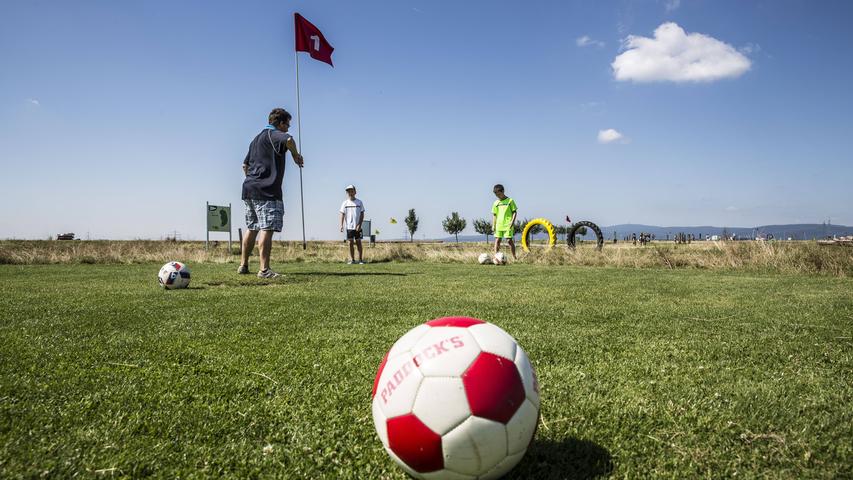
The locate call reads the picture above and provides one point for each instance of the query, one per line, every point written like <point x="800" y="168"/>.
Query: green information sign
<point x="218" y="218"/>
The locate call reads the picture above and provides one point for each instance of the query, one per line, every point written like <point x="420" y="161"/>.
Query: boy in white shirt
<point x="352" y="216"/>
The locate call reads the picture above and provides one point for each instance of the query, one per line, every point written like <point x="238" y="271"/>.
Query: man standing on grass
<point x="504" y="212"/>
<point x="262" y="195"/>
<point x="352" y="216"/>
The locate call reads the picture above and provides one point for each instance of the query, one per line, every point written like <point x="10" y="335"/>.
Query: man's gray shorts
<point x="264" y="214"/>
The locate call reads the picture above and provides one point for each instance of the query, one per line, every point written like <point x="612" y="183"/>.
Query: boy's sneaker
<point x="243" y="269"/>
<point x="350" y="262"/>
<point x="268" y="273"/>
<point x="360" y="262"/>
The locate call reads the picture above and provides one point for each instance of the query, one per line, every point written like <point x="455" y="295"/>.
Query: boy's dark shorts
<point x="354" y="234"/>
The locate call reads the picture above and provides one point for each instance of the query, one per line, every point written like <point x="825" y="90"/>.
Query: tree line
<point x="454" y="225"/>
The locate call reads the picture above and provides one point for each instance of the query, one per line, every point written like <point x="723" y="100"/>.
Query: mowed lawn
<point x="644" y="373"/>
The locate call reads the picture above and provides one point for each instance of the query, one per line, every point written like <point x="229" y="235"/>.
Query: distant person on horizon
<point x="352" y="216"/>
<point x="504" y="212"/>
<point x="262" y="194"/>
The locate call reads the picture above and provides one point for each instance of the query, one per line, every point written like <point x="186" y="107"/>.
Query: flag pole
<point x="299" y="140"/>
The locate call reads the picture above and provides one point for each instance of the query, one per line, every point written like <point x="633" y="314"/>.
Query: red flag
<point x="310" y="39"/>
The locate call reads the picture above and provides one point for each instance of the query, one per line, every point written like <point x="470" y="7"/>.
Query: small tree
<point x="412" y="223"/>
<point x="483" y="227"/>
<point x="454" y="224"/>
<point x="562" y="230"/>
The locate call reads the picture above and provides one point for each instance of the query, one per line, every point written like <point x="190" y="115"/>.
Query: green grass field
<point x="644" y="372"/>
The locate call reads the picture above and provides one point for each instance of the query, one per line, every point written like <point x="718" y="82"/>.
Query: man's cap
<point x="350" y="186"/>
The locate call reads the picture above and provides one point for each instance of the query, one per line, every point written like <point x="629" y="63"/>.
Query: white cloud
<point x="33" y="101"/>
<point x="750" y="48"/>
<point x="732" y="209"/>
<point x="585" y="41"/>
<point x="676" y="56"/>
<point x="609" y="136"/>
<point x="672" y="5"/>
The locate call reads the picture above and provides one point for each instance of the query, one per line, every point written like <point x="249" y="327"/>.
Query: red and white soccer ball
<point x="174" y="275"/>
<point x="456" y="398"/>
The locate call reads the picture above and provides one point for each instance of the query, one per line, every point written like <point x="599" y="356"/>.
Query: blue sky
<point x="121" y="119"/>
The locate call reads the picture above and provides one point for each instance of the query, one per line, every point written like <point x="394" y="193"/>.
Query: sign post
<point x="218" y="220"/>
<point x="366" y="232"/>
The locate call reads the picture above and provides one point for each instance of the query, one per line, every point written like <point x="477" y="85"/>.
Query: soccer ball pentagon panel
<point x="174" y="275"/>
<point x="456" y="397"/>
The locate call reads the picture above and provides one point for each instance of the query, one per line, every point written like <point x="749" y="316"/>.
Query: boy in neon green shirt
<point x="504" y="212"/>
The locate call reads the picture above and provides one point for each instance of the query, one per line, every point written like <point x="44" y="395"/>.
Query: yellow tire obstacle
<point x="549" y="228"/>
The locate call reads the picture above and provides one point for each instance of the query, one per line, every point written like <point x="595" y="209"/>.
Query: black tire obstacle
<point x="570" y="238"/>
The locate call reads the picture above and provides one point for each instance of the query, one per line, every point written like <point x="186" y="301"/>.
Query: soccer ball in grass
<point x="483" y="258"/>
<point x="500" y="258"/>
<point x="174" y="275"/>
<point x="456" y="398"/>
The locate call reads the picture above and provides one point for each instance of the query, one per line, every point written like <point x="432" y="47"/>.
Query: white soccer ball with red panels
<point x="456" y="398"/>
<point x="174" y="275"/>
